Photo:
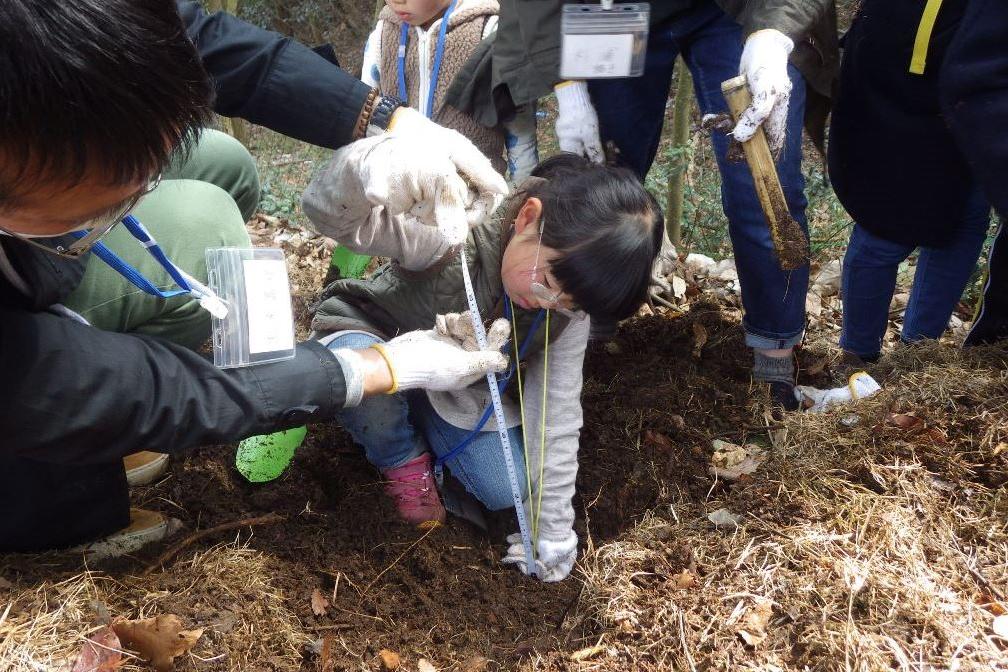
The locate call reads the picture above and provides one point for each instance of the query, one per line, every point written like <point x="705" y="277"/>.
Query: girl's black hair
<point x="608" y="230"/>
<point x="111" y="88"/>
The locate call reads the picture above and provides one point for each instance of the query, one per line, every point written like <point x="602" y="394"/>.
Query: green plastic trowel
<point x="263" y="458"/>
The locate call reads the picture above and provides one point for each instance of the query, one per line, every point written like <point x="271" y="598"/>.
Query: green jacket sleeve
<point x="795" y="18"/>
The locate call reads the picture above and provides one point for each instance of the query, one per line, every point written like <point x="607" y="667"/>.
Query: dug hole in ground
<point x="873" y="536"/>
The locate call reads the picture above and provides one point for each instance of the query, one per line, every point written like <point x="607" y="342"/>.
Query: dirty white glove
<point x="765" y="64"/>
<point x="860" y="386"/>
<point x="555" y="560"/>
<point x="664" y="265"/>
<point x="432" y="172"/>
<point x="434" y="361"/>
<point x="459" y="326"/>
<point x="577" y="126"/>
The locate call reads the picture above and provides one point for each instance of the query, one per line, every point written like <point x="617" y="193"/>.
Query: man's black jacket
<point x="73" y="393"/>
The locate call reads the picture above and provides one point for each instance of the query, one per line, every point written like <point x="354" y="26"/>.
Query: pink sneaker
<point x="414" y="491"/>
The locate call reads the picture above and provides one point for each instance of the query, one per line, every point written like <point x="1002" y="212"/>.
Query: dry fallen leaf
<point x="158" y="640"/>
<point x="100" y="653"/>
<point x="699" y="338"/>
<point x="724" y="518"/>
<point x="475" y="663"/>
<point x="423" y="665"/>
<point x="1001" y="448"/>
<point x="908" y="423"/>
<point x="684" y="579"/>
<point x="587" y="653"/>
<point x="730" y="462"/>
<point x="658" y="440"/>
<point x="753" y="630"/>
<point x="678" y="287"/>
<point x="319" y="603"/>
<point x="389" y="660"/>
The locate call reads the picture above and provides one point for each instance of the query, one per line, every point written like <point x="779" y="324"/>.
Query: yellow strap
<point x="542" y="433"/>
<point x="521" y="401"/>
<point x="919" y="58"/>
<point x="851" y="383"/>
<point x="384" y="353"/>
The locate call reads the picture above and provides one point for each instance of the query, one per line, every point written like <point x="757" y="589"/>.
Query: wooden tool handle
<point x="790" y="242"/>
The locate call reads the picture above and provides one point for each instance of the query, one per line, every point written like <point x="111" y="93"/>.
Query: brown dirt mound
<point x="831" y="509"/>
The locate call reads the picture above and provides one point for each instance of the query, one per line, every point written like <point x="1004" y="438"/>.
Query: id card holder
<point x="259" y="325"/>
<point x="598" y="42"/>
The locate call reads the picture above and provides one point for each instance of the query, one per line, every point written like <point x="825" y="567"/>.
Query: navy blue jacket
<point x="974" y="95"/>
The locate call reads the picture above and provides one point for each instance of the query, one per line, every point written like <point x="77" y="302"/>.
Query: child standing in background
<point x="413" y="55"/>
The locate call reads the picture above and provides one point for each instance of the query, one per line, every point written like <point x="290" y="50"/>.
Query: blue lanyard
<point x="139" y="232"/>
<point x="435" y="71"/>
<point x="501" y="385"/>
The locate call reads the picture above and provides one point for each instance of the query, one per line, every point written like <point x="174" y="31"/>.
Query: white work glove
<point x="555" y="560"/>
<point x="859" y="386"/>
<point x="577" y="126"/>
<point x="434" y="173"/>
<point x="459" y="326"/>
<point x="765" y="64"/>
<point x="434" y="361"/>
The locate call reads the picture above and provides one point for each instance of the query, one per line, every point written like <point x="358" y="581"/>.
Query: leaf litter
<point x="862" y="557"/>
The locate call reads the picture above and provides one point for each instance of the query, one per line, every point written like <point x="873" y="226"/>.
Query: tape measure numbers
<point x="502" y="431"/>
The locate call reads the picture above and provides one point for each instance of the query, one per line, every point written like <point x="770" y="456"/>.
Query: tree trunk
<point x="234" y="127"/>
<point x="681" y="112"/>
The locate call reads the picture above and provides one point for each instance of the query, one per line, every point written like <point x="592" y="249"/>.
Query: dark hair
<point x="107" y="86"/>
<point x="608" y="230"/>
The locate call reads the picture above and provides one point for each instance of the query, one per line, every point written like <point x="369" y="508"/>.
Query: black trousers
<point x="45" y="505"/>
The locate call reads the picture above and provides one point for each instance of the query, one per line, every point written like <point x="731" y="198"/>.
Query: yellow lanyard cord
<point x="924" y="30"/>
<point x="521" y="403"/>
<point x="542" y="429"/>
<point x="542" y="433"/>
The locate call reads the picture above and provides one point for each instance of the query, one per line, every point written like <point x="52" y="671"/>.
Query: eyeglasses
<point x="96" y="227"/>
<point x="549" y="298"/>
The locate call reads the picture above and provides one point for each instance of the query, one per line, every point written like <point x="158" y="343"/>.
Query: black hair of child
<point x="608" y="230"/>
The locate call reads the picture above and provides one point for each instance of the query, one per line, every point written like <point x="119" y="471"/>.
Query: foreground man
<point x="102" y="104"/>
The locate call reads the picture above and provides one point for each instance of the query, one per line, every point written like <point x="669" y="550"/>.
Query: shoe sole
<point x="147" y="473"/>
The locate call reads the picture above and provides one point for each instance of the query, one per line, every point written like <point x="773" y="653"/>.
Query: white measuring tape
<point x="495" y="399"/>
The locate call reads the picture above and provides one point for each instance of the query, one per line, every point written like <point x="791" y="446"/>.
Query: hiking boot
<point x="414" y="491"/>
<point x="145" y="467"/>
<point x="145" y="527"/>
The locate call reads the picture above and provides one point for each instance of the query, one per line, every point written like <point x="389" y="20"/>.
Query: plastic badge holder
<point x="259" y="326"/>
<point x="601" y="43"/>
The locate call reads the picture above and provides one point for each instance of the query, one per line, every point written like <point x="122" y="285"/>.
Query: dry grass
<point x="877" y="546"/>
<point x="227" y="588"/>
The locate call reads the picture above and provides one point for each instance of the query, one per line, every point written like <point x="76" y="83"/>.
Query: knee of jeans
<point x="488" y="482"/>
<point x="350" y="340"/>
<point x="497" y="496"/>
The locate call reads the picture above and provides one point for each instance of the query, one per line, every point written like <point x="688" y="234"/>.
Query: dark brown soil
<point x="653" y="401"/>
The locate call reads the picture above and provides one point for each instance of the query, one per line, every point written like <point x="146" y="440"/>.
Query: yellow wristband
<point x="388" y="362"/>
<point x="566" y="82"/>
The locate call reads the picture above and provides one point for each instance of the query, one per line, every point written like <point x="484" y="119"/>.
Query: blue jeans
<point x="869" y="279"/>
<point x="631" y="112"/>
<point x="396" y="428"/>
